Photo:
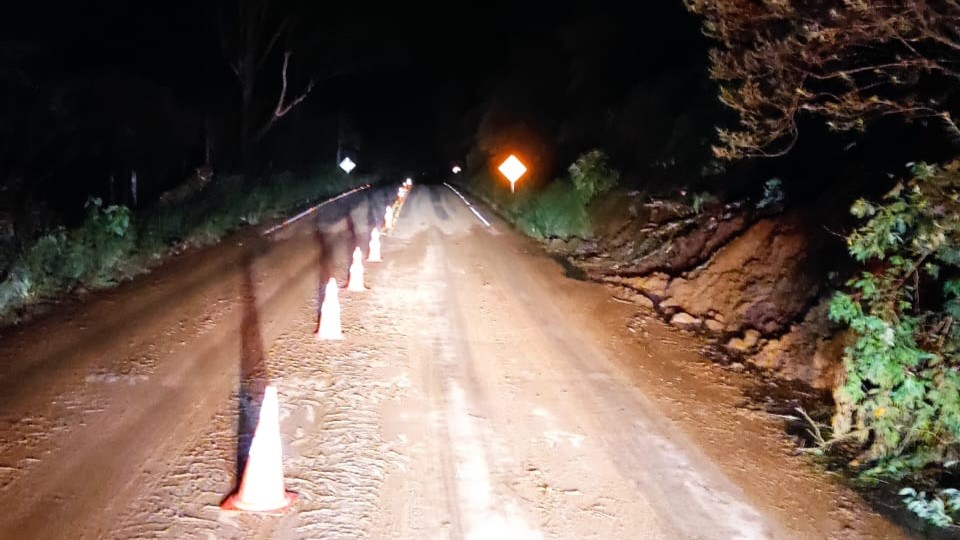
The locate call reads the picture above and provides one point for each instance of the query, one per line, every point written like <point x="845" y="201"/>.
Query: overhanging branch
<point x="283" y="107"/>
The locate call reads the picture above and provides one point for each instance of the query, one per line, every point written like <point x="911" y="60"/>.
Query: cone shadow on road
<point x="436" y="199"/>
<point x="373" y="217"/>
<point x="252" y="376"/>
<point x="376" y="201"/>
<point x="352" y="237"/>
<point x="324" y="272"/>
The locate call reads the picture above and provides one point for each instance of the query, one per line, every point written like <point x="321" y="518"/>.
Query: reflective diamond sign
<point x="347" y="165"/>
<point x="513" y="169"/>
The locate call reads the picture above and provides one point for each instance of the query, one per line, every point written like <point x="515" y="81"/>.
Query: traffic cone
<point x="388" y="218"/>
<point x="374" y="255"/>
<point x="329" y="327"/>
<point x="261" y="489"/>
<point x="356" y="272"/>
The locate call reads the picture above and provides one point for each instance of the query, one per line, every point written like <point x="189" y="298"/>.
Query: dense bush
<point x="901" y="397"/>
<point x="113" y="243"/>
<point x="91" y="254"/>
<point x="559" y="211"/>
<point x="592" y="176"/>
<point x="103" y="244"/>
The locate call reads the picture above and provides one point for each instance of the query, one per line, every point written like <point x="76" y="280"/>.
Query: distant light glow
<point x="347" y="165"/>
<point x="513" y="169"/>
<point x="456" y="169"/>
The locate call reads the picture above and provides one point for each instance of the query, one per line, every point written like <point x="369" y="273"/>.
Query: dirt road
<point x="479" y="394"/>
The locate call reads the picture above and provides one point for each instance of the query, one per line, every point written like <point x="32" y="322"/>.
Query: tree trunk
<point x="246" y="123"/>
<point x="133" y="189"/>
<point x="207" y="142"/>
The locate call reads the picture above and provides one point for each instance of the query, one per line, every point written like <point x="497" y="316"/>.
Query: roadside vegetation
<point x="559" y="210"/>
<point x="114" y="243"/>
<point x="897" y="412"/>
<point x="900" y="399"/>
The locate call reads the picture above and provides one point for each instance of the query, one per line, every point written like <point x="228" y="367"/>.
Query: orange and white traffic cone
<point x="388" y="218"/>
<point x="374" y="255"/>
<point x="262" y="489"/>
<point x="356" y="272"/>
<point x="329" y="328"/>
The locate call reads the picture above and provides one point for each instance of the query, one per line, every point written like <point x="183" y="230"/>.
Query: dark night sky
<point x="416" y="76"/>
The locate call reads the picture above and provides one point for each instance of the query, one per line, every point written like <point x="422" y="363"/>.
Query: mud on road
<point x="480" y="393"/>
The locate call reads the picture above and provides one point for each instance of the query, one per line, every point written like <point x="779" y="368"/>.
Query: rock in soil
<point x="746" y="343"/>
<point x="685" y="321"/>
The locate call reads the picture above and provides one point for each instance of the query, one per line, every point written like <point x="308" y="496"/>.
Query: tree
<point x="847" y="61"/>
<point x="284" y="104"/>
<point x="250" y="31"/>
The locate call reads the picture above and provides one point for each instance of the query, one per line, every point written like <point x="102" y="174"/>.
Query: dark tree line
<point x="112" y="101"/>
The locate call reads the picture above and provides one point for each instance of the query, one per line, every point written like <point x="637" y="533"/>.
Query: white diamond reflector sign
<point x="347" y="165"/>
<point x="512" y="168"/>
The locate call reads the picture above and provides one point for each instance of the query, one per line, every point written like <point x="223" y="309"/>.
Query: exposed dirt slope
<point x="752" y="282"/>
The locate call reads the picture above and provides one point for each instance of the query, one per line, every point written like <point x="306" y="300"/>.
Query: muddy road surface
<point x="479" y="394"/>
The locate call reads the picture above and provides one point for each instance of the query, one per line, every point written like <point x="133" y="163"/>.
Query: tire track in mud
<point x="45" y="433"/>
<point x="335" y="456"/>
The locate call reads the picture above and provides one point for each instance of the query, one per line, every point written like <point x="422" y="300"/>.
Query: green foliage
<point x="105" y="242"/>
<point x="941" y="509"/>
<point x="560" y="210"/>
<point x="15" y="290"/>
<point x="703" y="199"/>
<point x="773" y="195"/>
<point x="592" y="176"/>
<point x="557" y="212"/>
<point x="52" y="259"/>
<point x="90" y="254"/>
<point x="901" y="396"/>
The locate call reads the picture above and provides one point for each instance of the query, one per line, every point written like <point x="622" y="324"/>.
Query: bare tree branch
<point x="279" y="113"/>
<point x="283" y="107"/>
<point x="248" y="40"/>
<point x="273" y="41"/>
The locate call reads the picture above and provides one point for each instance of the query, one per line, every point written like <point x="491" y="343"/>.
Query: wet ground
<point x="480" y="393"/>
